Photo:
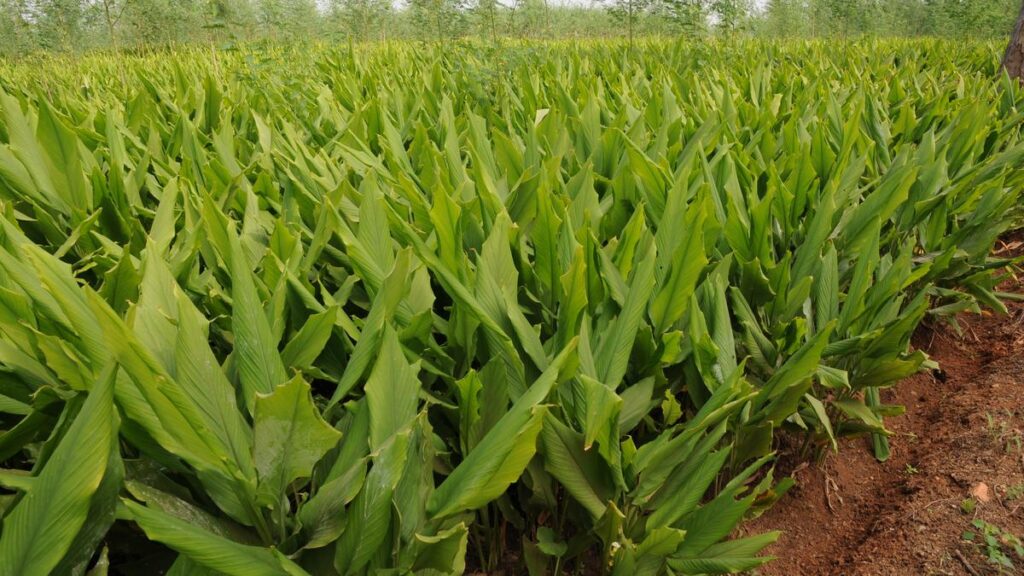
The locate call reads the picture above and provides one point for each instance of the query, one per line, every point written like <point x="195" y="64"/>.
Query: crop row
<point x="545" y="307"/>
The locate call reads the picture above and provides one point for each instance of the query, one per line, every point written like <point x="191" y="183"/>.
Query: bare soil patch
<point x="959" y="439"/>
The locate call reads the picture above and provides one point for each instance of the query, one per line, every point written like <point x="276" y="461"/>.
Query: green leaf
<point x="688" y="260"/>
<point x="187" y="511"/>
<point x="636" y="403"/>
<point x="583" y="473"/>
<point x="614" y="350"/>
<point x="24" y="161"/>
<point x="290" y="438"/>
<point x="395" y="287"/>
<point x="202" y="379"/>
<point x="101" y="516"/>
<point x="61" y="145"/>
<point x="444" y="552"/>
<point x="322" y="516"/>
<point x="713" y="521"/>
<point x="730" y="557"/>
<point x="392" y="391"/>
<point x="210" y="550"/>
<point x="500" y="457"/>
<point x="259" y="365"/>
<point x="548" y="542"/>
<point x="778" y="397"/>
<point x="369" y="518"/>
<point x="42" y="526"/>
<point x="302" y="350"/>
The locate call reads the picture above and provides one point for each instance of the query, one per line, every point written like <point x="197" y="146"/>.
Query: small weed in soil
<point x="1002" y="431"/>
<point x="1000" y="547"/>
<point x="1015" y="492"/>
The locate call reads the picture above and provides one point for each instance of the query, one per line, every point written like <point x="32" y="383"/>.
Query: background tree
<point x="784" y="18"/>
<point x="287" y="18"/>
<point x="112" y="12"/>
<point x="17" y="35"/>
<point x="580" y="21"/>
<point x="486" y="12"/>
<point x="360" y="19"/>
<point x="1013" y="59"/>
<point x="58" y="22"/>
<point x="991" y="15"/>
<point x="688" y="16"/>
<point x="531" y="18"/>
<point x="899" y="17"/>
<point x="152" y="22"/>
<point x="730" y="16"/>
<point x="230" y="17"/>
<point x="629" y="12"/>
<point x="77" y="25"/>
<point x="440" y="19"/>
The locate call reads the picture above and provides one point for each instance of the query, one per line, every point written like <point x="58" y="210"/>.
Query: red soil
<point x="962" y="432"/>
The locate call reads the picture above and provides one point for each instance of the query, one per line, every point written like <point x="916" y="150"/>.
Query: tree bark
<point x="1013" y="59"/>
<point x="110" y="23"/>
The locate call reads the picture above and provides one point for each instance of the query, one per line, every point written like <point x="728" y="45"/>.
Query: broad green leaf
<point x="688" y="260"/>
<point x="395" y="287"/>
<point x="369" y="518"/>
<point x="210" y="550"/>
<point x="731" y="556"/>
<point x="290" y="437"/>
<point x="322" y="515"/>
<point x="444" y="552"/>
<point x="392" y="391"/>
<point x="303" y="349"/>
<point x="260" y="369"/>
<point x="583" y="473"/>
<point x="500" y="457"/>
<point x="42" y="526"/>
<point x="614" y="350"/>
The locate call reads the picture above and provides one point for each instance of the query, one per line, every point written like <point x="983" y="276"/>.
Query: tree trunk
<point x="629" y="23"/>
<point x="110" y="23"/>
<point x="1013" y="60"/>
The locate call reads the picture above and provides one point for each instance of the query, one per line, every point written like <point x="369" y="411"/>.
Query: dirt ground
<point x="960" y="439"/>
